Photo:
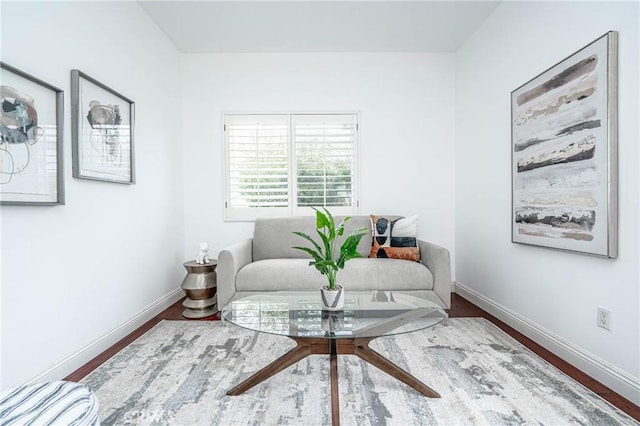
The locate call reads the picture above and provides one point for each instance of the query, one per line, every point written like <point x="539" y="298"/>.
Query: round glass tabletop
<point x="366" y="314"/>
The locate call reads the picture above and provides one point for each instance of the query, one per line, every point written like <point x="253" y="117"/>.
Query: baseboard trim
<point x="618" y="380"/>
<point x="81" y="357"/>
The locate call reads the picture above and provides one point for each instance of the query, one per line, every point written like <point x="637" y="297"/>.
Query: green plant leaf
<point x="327" y="245"/>
<point x="340" y="228"/>
<point x="322" y="221"/>
<point x="349" y="249"/>
<point x="329" y="264"/>
<point x="308" y="238"/>
<point x="331" y="224"/>
<point x="323" y="266"/>
<point x="316" y="256"/>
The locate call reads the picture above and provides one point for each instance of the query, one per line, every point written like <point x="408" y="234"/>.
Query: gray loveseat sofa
<point x="267" y="262"/>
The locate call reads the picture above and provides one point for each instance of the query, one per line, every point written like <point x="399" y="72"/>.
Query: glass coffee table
<point x="366" y="316"/>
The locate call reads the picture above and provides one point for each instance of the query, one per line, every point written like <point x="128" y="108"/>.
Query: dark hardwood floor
<point x="460" y="307"/>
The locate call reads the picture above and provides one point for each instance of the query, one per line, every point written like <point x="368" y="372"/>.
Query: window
<point x="283" y="164"/>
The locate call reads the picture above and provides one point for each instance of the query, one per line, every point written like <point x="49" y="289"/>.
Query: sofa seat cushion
<point x="358" y="274"/>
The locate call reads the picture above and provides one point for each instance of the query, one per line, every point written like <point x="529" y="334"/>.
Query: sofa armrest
<point x="230" y="261"/>
<point x="437" y="259"/>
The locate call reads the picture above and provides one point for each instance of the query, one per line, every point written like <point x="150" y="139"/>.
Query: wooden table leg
<point x="363" y="350"/>
<point x="302" y="350"/>
<point x="310" y="346"/>
<point x="335" y="396"/>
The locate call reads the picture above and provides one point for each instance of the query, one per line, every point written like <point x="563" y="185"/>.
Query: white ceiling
<point x="318" y="26"/>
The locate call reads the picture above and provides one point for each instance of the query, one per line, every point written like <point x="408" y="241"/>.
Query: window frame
<point x="249" y="214"/>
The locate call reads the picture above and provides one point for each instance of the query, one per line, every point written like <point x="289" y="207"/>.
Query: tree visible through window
<point x="282" y="164"/>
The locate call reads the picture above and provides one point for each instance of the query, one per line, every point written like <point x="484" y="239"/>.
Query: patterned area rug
<point x="178" y="374"/>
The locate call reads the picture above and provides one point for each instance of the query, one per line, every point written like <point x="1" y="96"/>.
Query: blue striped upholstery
<point x="56" y="403"/>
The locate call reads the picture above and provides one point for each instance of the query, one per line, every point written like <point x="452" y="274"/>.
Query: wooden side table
<point x="200" y="286"/>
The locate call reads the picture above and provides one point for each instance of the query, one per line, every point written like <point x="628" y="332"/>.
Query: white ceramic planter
<point x="332" y="300"/>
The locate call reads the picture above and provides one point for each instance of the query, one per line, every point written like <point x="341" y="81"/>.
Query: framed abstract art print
<point x="564" y="153"/>
<point x="102" y="131"/>
<point x="31" y="120"/>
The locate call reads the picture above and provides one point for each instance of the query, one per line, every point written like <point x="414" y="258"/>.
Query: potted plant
<point x="326" y="257"/>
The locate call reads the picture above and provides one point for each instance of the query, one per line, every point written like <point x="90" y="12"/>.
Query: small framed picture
<point x="102" y="131"/>
<point x="31" y="120"/>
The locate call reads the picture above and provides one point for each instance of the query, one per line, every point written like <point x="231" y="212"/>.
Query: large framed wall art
<point x="31" y="120"/>
<point x="102" y="131"/>
<point x="564" y="153"/>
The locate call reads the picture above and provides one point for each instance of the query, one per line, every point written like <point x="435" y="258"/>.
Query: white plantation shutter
<point x="257" y="151"/>
<point x="283" y="164"/>
<point x="325" y="160"/>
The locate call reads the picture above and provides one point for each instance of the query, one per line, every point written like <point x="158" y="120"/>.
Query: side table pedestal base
<point x="200" y="287"/>
<point x="199" y="308"/>
<point x="200" y="313"/>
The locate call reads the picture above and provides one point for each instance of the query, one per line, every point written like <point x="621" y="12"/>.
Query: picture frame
<point x="31" y="140"/>
<point x="564" y="153"/>
<point x="102" y="131"/>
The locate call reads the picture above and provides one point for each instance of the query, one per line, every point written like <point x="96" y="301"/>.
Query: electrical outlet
<point x="604" y="318"/>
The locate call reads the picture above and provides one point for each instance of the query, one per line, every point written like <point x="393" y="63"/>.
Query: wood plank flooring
<point x="460" y="307"/>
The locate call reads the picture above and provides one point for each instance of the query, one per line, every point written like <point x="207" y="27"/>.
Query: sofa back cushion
<point x="273" y="238"/>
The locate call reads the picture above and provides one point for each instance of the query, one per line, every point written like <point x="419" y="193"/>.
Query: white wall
<point x="72" y="274"/>
<point x="557" y="291"/>
<point x="406" y="105"/>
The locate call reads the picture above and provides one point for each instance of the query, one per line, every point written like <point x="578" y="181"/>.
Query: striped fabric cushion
<point x="56" y="403"/>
